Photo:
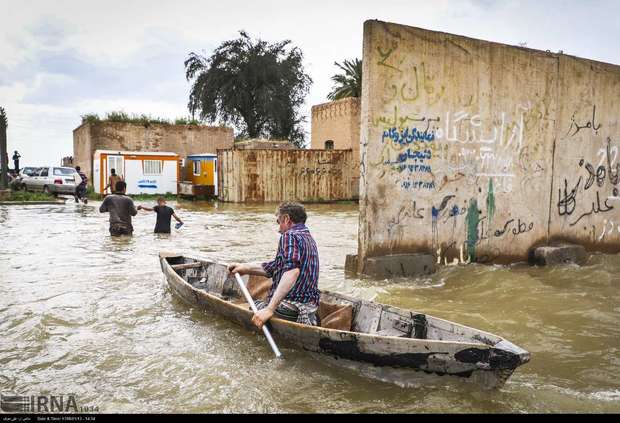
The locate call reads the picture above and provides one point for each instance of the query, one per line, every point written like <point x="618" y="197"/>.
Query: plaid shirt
<point x="296" y="249"/>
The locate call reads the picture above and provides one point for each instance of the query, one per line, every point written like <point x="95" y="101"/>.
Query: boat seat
<point x="258" y="286"/>
<point x="335" y="316"/>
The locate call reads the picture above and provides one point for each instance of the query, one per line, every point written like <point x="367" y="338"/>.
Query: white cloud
<point x="66" y="58"/>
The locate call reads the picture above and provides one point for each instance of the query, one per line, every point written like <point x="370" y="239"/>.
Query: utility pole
<point x="4" y="180"/>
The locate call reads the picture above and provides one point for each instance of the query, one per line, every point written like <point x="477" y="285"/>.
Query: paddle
<point x="250" y="301"/>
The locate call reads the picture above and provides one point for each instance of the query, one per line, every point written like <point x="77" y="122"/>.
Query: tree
<point x="348" y="84"/>
<point x="4" y="180"/>
<point x="256" y="86"/>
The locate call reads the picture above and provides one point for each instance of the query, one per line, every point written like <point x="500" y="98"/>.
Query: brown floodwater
<point x="85" y="314"/>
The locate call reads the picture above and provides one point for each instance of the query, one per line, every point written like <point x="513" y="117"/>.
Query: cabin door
<point x="118" y="164"/>
<point x="215" y="176"/>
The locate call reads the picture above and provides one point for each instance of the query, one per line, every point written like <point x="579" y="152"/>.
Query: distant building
<point x="122" y="136"/>
<point x="336" y="126"/>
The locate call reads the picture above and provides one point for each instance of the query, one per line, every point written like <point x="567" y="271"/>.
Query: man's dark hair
<point x="113" y="171"/>
<point x="120" y="186"/>
<point x="78" y="168"/>
<point x="295" y="211"/>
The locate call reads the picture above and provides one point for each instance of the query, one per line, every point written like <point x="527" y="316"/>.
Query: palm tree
<point x="348" y="84"/>
<point x="3" y="154"/>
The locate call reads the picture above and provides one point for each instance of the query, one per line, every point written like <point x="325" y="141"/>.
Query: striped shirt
<point x="296" y="249"/>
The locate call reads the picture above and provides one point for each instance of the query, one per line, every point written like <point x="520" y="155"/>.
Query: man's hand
<point x="261" y="317"/>
<point x="242" y="269"/>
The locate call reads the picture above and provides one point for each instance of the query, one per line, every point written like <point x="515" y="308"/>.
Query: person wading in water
<point x="121" y="209"/>
<point x="164" y="213"/>
<point x="294" y="294"/>
<point x="80" y="190"/>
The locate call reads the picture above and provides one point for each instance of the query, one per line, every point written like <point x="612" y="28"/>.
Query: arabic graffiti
<point x="591" y="124"/>
<point x="407" y="135"/>
<point x="596" y="208"/>
<point x="319" y="171"/>
<point x="568" y="202"/>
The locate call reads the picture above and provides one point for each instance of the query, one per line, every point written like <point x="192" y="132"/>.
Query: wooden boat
<point x="399" y="343"/>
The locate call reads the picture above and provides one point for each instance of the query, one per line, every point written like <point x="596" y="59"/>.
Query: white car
<point x="25" y="173"/>
<point x="54" y="180"/>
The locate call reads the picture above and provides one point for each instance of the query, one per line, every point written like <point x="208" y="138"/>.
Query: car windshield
<point x="29" y="171"/>
<point x="61" y="171"/>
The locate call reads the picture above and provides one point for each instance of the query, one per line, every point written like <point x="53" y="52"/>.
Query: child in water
<point x="164" y="213"/>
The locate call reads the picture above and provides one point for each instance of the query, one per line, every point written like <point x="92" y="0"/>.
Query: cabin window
<point x="152" y="167"/>
<point x="197" y="167"/>
<point x="329" y="145"/>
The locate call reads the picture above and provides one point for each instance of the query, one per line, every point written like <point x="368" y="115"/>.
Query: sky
<point x="60" y="60"/>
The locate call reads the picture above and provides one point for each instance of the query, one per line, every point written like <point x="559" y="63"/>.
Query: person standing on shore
<point x="112" y="180"/>
<point x="16" y="157"/>
<point x="121" y="209"/>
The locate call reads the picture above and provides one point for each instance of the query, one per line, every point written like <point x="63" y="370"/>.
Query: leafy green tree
<point x="4" y="123"/>
<point x="349" y="83"/>
<point x="256" y="86"/>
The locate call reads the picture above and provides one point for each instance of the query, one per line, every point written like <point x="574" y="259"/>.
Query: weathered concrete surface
<point x="397" y="265"/>
<point x="560" y="254"/>
<point x="585" y="205"/>
<point x="181" y="139"/>
<point x="281" y="175"/>
<point x="339" y="121"/>
<point x="457" y="144"/>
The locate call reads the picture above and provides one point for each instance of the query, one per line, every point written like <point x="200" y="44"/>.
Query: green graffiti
<point x="472" y="219"/>
<point x="490" y="201"/>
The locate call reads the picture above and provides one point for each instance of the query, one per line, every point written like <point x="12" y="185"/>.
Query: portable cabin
<point x="144" y="172"/>
<point x="200" y="175"/>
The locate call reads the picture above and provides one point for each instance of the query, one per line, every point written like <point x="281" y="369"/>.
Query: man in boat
<point x="294" y="294"/>
<point x="121" y="208"/>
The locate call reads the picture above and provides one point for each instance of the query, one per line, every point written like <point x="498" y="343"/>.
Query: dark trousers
<point x="118" y="230"/>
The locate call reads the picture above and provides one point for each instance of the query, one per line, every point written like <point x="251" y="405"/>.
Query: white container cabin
<point x="144" y="172"/>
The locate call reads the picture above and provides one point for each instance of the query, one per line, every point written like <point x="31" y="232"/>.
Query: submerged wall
<point x="466" y="144"/>
<point x="285" y="175"/>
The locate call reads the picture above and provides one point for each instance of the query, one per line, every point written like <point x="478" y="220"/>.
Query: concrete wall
<point x="181" y="139"/>
<point x="280" y="175"/>
<point x="585" y="201"/>
<point x="338" y="121"/>
<point x="458" y="139"/>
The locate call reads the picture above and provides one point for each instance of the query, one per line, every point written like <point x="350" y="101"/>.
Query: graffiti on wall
<point x="594" y="192"/>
